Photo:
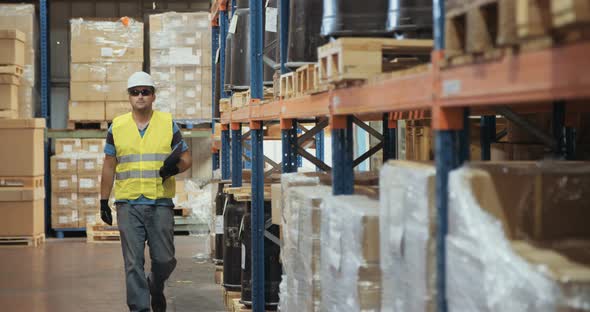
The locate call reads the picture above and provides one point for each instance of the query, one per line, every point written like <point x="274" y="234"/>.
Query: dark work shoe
<point x="158" y="298"/>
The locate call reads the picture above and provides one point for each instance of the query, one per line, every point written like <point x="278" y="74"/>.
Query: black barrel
<point x="354" y="18"/>
<point x="272" y="266"/>
<point x="240" y="51"/>
<point x="228" y="64"/>
<point x="221" y="201"/>
<point x="305" y="23"/>
<point x="232" y="249"/>
<point x="410" y="18"/>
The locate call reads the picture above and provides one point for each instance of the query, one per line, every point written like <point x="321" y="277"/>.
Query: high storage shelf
<point x="516" y="80"/>
<point x="557" y="77"/>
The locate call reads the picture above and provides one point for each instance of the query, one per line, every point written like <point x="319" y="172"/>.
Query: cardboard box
<point x="116" y="91"/>
<point x="9" y="92"/>
<point x="89" y="201"/>
<point x="96" y="72"/>
<point x="67" y="146"/>
<point x="114" y="109"/>
<point x="93" y="145"/>
<point x="512" y="151"/>
<point x="63" y="201"/>
<point x="22" y="218"/>
<point x="64" y="184"/>
<point x="106" y="40"/>
<point x="86" y="110"/>
<point x="65" y="219"/>
<point x="90" y="165"/>
<point x="276" y="202"/>
<point x="89" y="183"/>
<point x="12" y="47"/>
<point x="88" y="91"/>
<point x="122" y="71"/>
<point x="63" y="165"/>
<point x="17" y="194"/>
<point x="26" y="154"/>
<point x="86" y="218"/>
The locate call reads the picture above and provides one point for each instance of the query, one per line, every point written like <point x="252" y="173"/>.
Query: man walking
<point x="144" y="151"/>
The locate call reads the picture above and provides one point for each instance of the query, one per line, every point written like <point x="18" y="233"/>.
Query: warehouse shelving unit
<point x="514" y="84"/>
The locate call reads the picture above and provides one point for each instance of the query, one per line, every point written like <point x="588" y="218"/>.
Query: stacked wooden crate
<point x="104" y="53"/>
<point x="22" y="187"/>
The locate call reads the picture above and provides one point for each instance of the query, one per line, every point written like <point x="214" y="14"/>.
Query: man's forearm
<point x="185" y="162"/>
<point x="108" y="177"/>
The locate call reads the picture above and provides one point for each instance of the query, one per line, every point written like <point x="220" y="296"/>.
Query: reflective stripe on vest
<point x="138" y="157"/>
<point x="138" y="174"/>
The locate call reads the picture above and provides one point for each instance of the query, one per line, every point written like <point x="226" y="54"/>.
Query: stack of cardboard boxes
<point x="22" y="172"/>
<point x="75" y="182"/>
<point x="12" y="58"/>
<point x="18" y="44"/>
<point x="180" y="62"/>
<point x="104" y="53"/>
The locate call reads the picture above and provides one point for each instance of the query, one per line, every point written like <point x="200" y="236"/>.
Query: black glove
<point x="105" y="212"/>
<point x="168" y="171"/>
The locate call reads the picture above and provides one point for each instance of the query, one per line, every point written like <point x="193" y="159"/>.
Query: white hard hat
<point x="140" y="79"/>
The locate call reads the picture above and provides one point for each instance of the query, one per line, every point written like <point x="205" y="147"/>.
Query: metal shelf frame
<point x="514" y="84"/>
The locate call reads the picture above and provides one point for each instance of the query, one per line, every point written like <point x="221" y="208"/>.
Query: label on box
<point x="63" y="183"/>
<point x="190" y="41"/>
<point x="67" y="148"/>
<point x="189" y="76"/>
<point x="233" y="25"/>
<point x="106" y="52"/>
<point x="89" y="201"/>
<point x="63" y="219"/>
<point x="63" y="201"/>
<point x="219" y="224"/>
<point x="190" y="111"/>
<point x="86" y="183"/>
<point x="89" y="165"/>
<point x="271" y="20"/>
<point x="74" y="179"/>
<point x="243" y="257"/>
<point x="190" y="93"/>
<point x="75" y="215"/>
<point x="62" y="165"/>
<point x="93" y="148"/>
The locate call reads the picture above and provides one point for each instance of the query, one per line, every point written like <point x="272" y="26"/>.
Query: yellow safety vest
<point x="139" y="159"/>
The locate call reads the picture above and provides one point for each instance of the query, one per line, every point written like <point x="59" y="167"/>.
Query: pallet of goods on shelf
<point x="485" y="30"/>
<point x="180" y="63"/>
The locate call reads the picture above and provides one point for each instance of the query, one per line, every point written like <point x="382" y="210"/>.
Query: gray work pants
<point x="138" y="224"/>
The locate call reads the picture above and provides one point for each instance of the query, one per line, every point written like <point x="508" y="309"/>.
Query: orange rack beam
<point x="526" y="81"/>
<point x="216" y="6"/>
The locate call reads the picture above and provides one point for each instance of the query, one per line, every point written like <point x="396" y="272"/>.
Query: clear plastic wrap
<point x="301" y="253"/>
<point x="486" y="271"/>
<point x="350" y="272"/>
<point x="407" y="236"/>
<point x="180" y="62"/>
<point x="23" y="18"/>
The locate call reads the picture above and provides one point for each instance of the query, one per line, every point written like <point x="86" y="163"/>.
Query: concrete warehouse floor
<point x="71" y="275"/>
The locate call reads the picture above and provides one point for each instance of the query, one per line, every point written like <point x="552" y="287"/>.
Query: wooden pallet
<point x="287" y="85"/>
<point x="224" y="106"/>
<point x="11" y="241"/>
<point x="305" y="80"/>
<point x="12" y="70"/>
<point x="240" y="99"/>
<point x="102" y="234"/>
<point x="22" y="181"/>
<point x="88" y="124"/>
<point x="361" y="58"/>
<point x="228" y="297"/>
<point x="237" y="306"/>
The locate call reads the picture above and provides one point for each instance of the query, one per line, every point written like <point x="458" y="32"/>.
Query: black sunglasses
<point x="144" y="92"/>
